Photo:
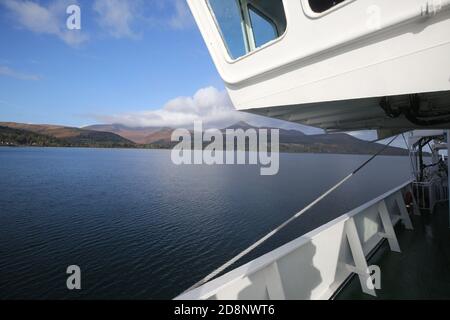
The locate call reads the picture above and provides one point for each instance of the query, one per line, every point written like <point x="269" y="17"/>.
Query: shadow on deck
<point x="421" y="271"/>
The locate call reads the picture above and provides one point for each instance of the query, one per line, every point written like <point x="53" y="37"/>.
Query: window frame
<point x="246" y="23"/>
<point x="315" y="15"/>
<point x="266" y="18"/>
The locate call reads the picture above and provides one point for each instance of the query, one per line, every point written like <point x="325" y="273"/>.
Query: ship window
<point x="264" y="29"/>
<point x="246" y="25"/>
<point x="319" y="6"/>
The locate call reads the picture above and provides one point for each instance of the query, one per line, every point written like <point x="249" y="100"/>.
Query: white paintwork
<point x="389" y="232"/>
<point x="359" y="264"/>
<point x="315" y="265"/>
<point x="416" y="208"/>
<point x="403" y="212"/>
<point x="330" y="70"/>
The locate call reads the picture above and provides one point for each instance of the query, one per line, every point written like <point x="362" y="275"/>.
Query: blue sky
<point x="135" y="62"/>
<point x="131" y="62"/>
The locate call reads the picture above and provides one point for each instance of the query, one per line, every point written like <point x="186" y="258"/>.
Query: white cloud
<point x="117" y="16"/>
<point x="50" y="19"/>
<point x="182" y="17"/>
<point x="209" y="105"/>
<point x="7" y="71"/>
<point x="167" y="14"/>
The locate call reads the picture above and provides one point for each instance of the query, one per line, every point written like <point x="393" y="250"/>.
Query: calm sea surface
<point x="142" y="228"/>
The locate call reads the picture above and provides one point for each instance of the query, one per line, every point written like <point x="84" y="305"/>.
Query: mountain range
<point x="120" y="136"/>
<point x="21" y="134"/>
<point x="139" y="135"/>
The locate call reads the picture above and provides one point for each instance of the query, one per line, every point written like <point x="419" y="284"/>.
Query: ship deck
<point x="421" y="271"/>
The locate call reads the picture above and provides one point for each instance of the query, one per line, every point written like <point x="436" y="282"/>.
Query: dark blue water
<point x="142" y="228"/>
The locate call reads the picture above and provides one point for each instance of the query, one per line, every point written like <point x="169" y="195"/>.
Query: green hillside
<point x="20" y="137"/>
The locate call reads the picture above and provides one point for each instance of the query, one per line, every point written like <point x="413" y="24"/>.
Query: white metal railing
<point x="317" y="264"/>
<point x="428" y="193"/>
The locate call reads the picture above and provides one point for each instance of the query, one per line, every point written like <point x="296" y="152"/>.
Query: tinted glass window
<point x="229" y="18"/>
<point x="248" y="24"/>
<point x="320" y="6"/>
<point x="264" y="30"/>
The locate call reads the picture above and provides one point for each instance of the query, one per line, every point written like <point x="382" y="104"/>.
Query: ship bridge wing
<point x="337" y="65"/>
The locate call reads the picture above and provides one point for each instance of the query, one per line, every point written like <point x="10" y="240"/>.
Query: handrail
<point x="378" y="199"/>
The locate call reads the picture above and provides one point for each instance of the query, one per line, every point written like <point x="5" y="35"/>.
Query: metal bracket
<point x="403" y="212"/>
<point x="361" y="268"/>
<point x="389" y="232"/>
<point x="415" y="205"/>
<point x="274" y="284"/>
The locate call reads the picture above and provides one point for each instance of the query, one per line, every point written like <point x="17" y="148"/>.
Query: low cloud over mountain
<point x="210" y="105"/>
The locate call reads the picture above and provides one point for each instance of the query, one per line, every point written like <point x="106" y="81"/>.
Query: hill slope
<point x="144" y="135"/>
<point x="160" y="138"/>
<point x="50" y="135"/>
<point x="18" y="137"/>
<point x="290" y="140"/>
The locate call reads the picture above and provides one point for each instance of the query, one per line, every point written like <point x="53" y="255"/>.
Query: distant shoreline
<point x="167" y="149"/>
<point x="119" y="136"/>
